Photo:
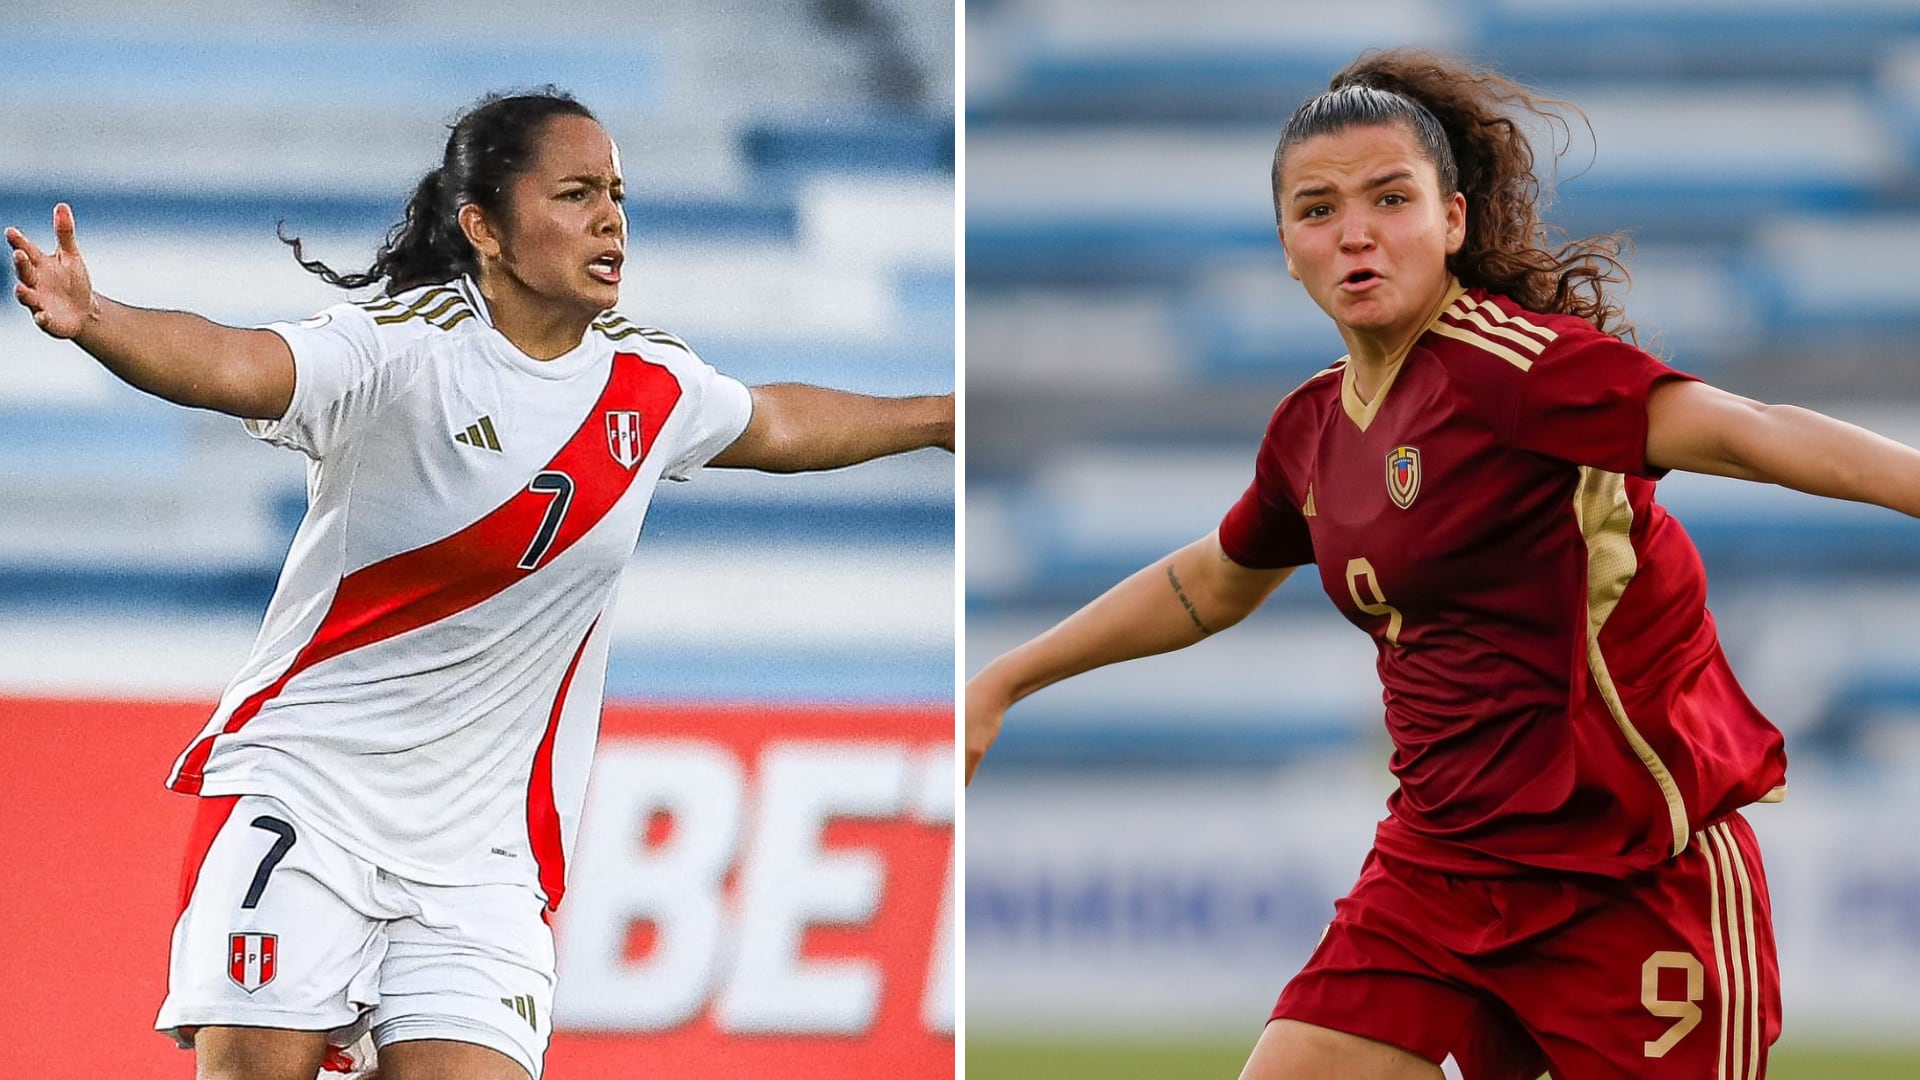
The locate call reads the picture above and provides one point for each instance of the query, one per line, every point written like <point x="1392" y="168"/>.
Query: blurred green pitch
<point x="1222" y="1060"/>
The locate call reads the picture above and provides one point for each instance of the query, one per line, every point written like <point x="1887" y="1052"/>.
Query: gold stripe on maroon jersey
<point x="1499" y="315"/>
<point x="1740" y="983"/>
<point x="1746" y="968"/>
<point x="1753" y="954"/>
<point x="1705" y="847"/>
<point x="1481" y="341"/>
<point x="1605" y="518"/>
<point x="1531" y="344"/>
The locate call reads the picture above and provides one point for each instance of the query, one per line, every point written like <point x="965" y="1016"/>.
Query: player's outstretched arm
<point x="1697" y="428"/>
<point x="799" y="428"/>
<point x="1191" y="594"/>
<point x="172" y="354"/>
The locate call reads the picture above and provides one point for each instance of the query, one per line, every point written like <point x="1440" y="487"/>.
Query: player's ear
<point x="479" y="232"/>
<point x="1282" y="233"/>
<point x="1456" y="222"/>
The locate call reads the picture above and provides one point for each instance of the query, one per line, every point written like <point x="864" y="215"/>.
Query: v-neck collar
<point x="1363" y="412"/>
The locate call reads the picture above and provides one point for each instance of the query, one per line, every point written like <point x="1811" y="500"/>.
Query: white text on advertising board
<point x="739" y="956"/>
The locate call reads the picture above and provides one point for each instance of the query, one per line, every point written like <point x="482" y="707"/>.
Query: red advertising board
<point x="757" y="891"/>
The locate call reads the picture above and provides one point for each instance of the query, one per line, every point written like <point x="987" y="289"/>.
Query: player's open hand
<point x="53" y="285"/>
<point x="985" y="713"/>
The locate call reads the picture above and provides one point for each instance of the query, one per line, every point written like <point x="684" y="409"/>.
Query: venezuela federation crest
<point x="1403" y="475"/>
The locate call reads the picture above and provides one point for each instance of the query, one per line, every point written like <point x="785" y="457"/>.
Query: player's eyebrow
<point x="591" y="180"/>
<point x="1314" y="191"/>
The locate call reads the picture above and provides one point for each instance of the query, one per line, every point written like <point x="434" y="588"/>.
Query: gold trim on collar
<point x="1363" y="412"/>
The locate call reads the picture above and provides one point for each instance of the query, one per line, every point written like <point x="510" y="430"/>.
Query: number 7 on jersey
<point x="560" y="486"/>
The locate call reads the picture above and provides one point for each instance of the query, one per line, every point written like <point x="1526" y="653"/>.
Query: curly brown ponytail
<point x="1464" y="118"/>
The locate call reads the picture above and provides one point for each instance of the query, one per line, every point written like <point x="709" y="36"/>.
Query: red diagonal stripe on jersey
<point x="422" y="586"/>
<point x="543" y="816"/>
<point x="208" y="819"/>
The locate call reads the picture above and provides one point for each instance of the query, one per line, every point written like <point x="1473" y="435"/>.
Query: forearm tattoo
<point x="1192" y="612"/>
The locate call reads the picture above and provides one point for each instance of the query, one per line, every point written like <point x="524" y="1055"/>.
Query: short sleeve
<point x="1264" y="530"/>
<point x="1585" y="401"/>
<point x="335" y="355"/>
<point x="723" y="406"/>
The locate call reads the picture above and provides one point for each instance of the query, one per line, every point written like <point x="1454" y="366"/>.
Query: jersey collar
<point x="1363" y="412"/>
<point x="470" y="289"/>
<point x="564" y="366"/>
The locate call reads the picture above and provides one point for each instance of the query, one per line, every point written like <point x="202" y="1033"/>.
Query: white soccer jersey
<point x="426" y="685"/>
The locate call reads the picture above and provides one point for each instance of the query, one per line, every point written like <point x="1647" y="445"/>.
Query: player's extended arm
<point x="1698" y="428"/>
<point x="1190" y="594"/>
<point x="799" y="428"/>
<point x="173" y="354"/>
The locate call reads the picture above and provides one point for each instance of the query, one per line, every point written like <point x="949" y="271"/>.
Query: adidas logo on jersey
<point x="523" y="1004"/>
<point x="480" y="433"/>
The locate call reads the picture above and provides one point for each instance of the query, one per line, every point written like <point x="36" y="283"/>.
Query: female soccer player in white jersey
<point x="390" y="785"/>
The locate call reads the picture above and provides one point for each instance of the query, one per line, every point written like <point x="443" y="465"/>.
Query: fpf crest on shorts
<point x="1403" y="475"/>
<point x="252" y="959"/>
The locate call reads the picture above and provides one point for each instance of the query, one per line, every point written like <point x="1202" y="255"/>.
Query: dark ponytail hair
<point x="487" y="147"/>
<point x="1463" y="118"/>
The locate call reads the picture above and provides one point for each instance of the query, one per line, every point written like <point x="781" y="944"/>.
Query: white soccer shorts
<point x="286" y="929"/>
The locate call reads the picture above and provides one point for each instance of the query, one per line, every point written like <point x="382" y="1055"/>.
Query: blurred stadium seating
<point x="1130" y="326"/>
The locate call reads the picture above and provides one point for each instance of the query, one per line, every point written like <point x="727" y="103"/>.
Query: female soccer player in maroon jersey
<point x="1563" y="882"/>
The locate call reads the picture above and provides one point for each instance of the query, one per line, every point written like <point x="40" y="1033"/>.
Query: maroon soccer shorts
<point x="1669" y="975"/>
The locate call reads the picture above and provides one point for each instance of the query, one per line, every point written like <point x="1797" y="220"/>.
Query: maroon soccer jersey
<point x="1554" y="687"/>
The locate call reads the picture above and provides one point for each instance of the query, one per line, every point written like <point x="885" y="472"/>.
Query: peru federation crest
<point x="252" y="959"/>
<point x="1403" y="475"/>
<point x="623" y="436"/>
